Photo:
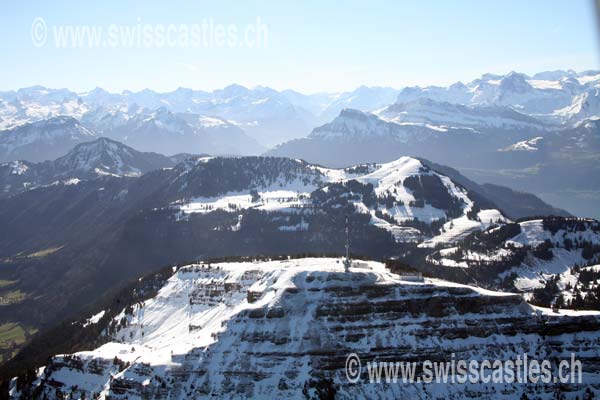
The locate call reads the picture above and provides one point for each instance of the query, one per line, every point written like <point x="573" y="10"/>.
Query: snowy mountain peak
<point x="489" y="77"/>
<point x="350" y="113"/>
<point x="85" y="161"/>
<point x="401" y="197"/>
<point x="539" y="96"/>
<point x="352" y="124"/>
<point x="458" y="86"/>
<point x="103" y="156"/>
<point x="515" y="82"/>
<point x="99" y="146"/>
<point x="233" y="90"/>
<point x="97" y="91"/>
<point x="107" y="157"/>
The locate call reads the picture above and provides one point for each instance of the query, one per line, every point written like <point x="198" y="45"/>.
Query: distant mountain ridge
<point x="166" y="132"/>
<point x="267" y="115"/>
<point x="493" y="144"/>
<point x="43" y="140"/>
<point x="444" y="114"/>
<point x="89" y="160"/>
<point x="552" y="97"/>
<point x="542" y="95"/>
<point x="513" y="130"/>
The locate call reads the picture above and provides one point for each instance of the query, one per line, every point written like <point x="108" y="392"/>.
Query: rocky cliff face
<point x="284" y="329"/>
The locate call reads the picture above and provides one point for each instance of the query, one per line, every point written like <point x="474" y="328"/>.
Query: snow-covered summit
<point x="87" y="160"/>
<point x="353" y="125"/>
<point x="108" y="157"/>
<point x="401" y="197"/>
<point x="285" y="328"/>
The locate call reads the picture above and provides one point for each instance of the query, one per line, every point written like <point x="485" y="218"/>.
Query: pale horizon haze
<point x="309" y="47"/>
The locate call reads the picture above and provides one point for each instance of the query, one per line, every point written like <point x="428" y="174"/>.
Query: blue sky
<point x="311" y="46"/>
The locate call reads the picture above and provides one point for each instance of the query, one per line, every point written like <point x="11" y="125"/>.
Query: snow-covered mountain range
<point x="159" y="131"/>
<point x="166" y="132"/>
<point x="453" y="134"/>
<point x="514" y="130"/>
<point x="285" y="329"/>
<point x="268" y="116"/>
<point x="546" y="95"/>
<point x="405" y="201"/>
<point x="511" y="105"/>
<point x="560" y="98"/>
<point x="511" y="102"/>
<point x="540" y="94"/>
<point x="535" y="133"/>
<point x="441" y="115"/>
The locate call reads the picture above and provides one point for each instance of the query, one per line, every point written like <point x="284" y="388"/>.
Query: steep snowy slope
<point x="514" y="204"/>
<point x="531" y="255"/>
<point x="584" y="106"/>
<point x="285" y="328"/>
<point x="404" y="197"/>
